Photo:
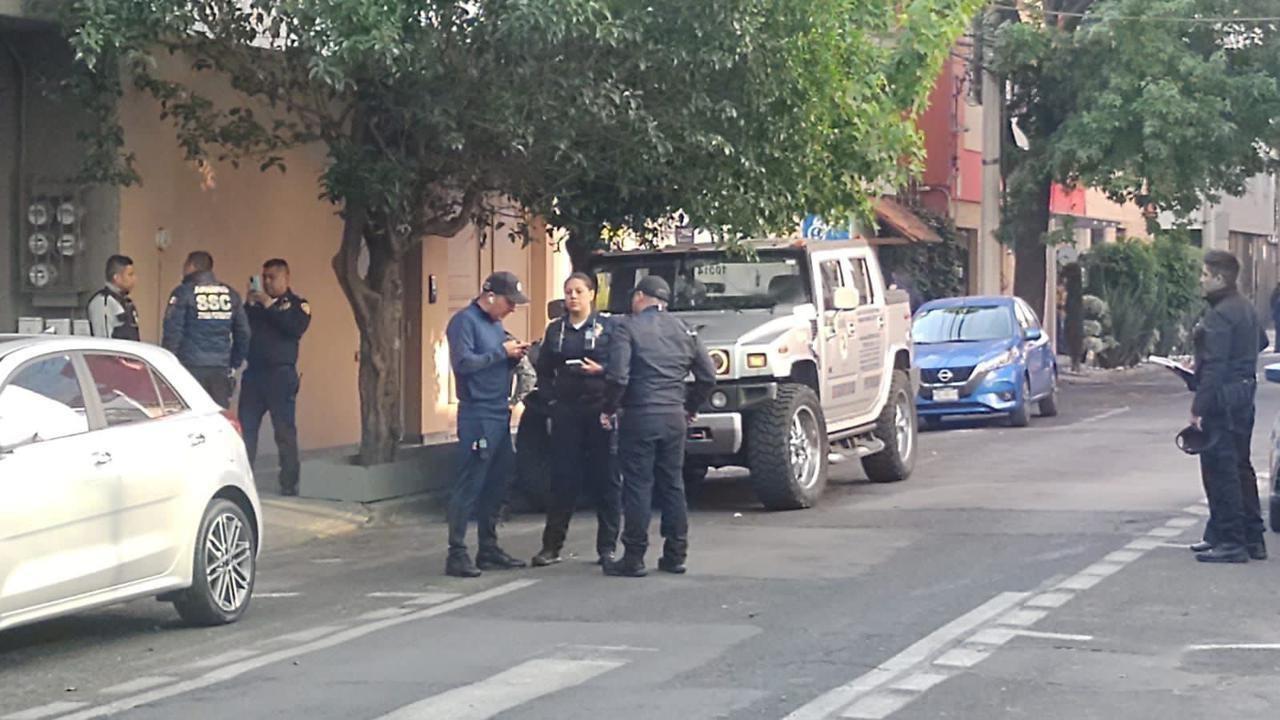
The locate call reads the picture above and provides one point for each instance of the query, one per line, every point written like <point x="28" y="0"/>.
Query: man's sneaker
<point x="1225" y="554"/>
<point x="605" y="559"/>
<point x="289" y="491"/>
<point x="496" y="558"/>
<point x="461" y="566"/>
<point x="675" y="567"/>
<point x="1258" y="550"/>
<point x="626" y="567"/>
<point x="546" y="557"/>
<point x="1202" y="546"/>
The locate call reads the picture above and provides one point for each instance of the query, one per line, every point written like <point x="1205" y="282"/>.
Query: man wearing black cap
<point x="1227" y="341"/>
<point x="650" y="355"/>
<point x="483" y="360"/>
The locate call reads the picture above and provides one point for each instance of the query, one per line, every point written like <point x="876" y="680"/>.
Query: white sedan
<point x="119" y="478"/>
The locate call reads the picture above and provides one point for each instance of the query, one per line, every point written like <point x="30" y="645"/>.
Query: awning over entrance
<point x="903" y="225"/>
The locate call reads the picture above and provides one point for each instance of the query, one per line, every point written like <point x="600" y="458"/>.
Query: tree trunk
<point x="583" y="240"/>
<point x="1028" y="224"/>
<point x="377" y="301"/>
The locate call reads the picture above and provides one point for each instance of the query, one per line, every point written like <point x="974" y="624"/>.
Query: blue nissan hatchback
<point x="983" y="356"/>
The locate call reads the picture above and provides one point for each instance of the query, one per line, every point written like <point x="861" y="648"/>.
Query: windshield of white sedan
<point x="705" y="280"/>
<point x="973" y="323"/>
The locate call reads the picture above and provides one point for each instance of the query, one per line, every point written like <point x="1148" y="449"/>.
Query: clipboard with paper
<point x="1184" y="371"/>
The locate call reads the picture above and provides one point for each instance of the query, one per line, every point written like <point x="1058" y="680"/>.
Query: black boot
<point x="671" y="565"/>
<point x="1225" y="554"/>
<point x="495" y="558"/>
<point x="546" y="557"/>
<point x="1258" y="550"/>
<point x="628" y="566"/>
<point x="460" y="565"/>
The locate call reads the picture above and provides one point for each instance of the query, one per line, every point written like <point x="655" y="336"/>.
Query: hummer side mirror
<point x="555" y="309"/>
<point x="846" y="298"/>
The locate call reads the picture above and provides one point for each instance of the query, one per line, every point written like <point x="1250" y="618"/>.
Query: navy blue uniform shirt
<point x="650" y="355"/>
<point x="277" y="330"/>
<point x="205" y="324"/>
<point x="480" y="363"/>
<point x="563" y="341"/>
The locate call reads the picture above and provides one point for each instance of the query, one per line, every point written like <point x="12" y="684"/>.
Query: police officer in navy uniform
<point x="278" y="318"/>
<point x="111" y="311"/>
<point x="483" y="361"/>
<point x="575" y="349"/>
<point x="206" y="327"/>
<point x="1227" y="341"/>
<point x="651" y="354"/>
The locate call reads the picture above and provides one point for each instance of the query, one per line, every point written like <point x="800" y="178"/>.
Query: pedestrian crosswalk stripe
<point x="44" y="711"/>
<point x="508" y="689"/>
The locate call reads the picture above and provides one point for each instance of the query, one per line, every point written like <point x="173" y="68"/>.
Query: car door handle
<point x="101" y="458"/>
<point x="196" y="439"/>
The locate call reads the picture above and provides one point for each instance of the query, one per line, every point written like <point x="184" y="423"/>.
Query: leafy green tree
<point x="1152" y="101"/>
<point x="593" y="113"/>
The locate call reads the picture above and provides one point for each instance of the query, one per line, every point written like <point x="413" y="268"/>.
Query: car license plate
<point x="946" y="395"/>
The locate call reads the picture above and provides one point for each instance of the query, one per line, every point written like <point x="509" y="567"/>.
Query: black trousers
<point x="1231" y="483"/>
<point x="216" y="381"/>
<point x="272" y="390"/>
<point x="581" y="460"/>
<point x="484" y="463"/>
<point x="651" y="455"/>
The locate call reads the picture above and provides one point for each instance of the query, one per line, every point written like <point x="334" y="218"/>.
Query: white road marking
<point x="1181" y="522"/>
<point x="878" y="706"/>
<point x="1122" y="556"/>
<point x="1175" y="546"/>
<point x="1023" y="618"/>
<point x="385" y="613"/>
<point x="44" y="711"/>
<point x="1144" y="544"/>
<point x="1237" y="646"/>
<point x="1080" y="582"/>
<point x="1050" y="600"/>
<point x="1102" y="416"/>
<point x="273" y="595"/>
<point x="993" y="636"/>
<point x="1197" y="509"/>
<point x="962" y="657"/>
<point x="225" y="658"/>
<point x="433" y="598"/>
<point x="1102" y="569"/>
<point x="833" y="700"/>
<point x="326" y="561"/>
<point x="1054" y="635"/>
<point x="138" y="685"/>
<point x="229" y="672"/>
<point x="489" y="697"/>
<point x="315" y="633"/>
<point x="1165" y="532"/>
<point x="919" y="682"/>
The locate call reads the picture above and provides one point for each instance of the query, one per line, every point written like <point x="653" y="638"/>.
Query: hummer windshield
<point x="705" y="280"/>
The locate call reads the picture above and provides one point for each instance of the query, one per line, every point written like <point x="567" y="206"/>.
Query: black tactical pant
<point x="651" y="455"/>
<point x="581" y="460"/>
<point x="217" y="381"/>
<point x="272" y="390"/>
<point x="1230" y="482"/>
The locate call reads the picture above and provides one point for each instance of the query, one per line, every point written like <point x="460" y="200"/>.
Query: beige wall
<point x="1099" y="207"/>
<point x="244" y="217"/>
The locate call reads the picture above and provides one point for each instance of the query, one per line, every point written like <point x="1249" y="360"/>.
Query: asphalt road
<point x="1021" y="573"/>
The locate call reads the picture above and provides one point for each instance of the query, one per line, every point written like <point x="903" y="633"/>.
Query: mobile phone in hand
<point x="576" y="362"/>
<point x="255" y="283"/>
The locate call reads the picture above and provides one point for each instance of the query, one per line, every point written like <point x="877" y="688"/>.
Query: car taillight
<point x="235" y="421"/>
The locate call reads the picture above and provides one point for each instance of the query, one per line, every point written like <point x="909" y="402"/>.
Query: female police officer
<point x="571" y="367"/>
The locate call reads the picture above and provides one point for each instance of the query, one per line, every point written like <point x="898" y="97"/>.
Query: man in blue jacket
<point x="483" y="360"/>
<point x="206" y="327"/>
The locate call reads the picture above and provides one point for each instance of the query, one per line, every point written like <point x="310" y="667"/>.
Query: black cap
<point x="655" y="287"/>
<point x="507" y="285"/>
<point x="1193" y="440"/>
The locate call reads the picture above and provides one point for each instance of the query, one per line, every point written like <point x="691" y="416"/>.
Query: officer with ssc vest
<point x="651" y="354"/>
<point x="206" y="326"/>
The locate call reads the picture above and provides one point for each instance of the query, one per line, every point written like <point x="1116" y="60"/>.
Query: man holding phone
<point x="279" y="318"/>
<point x="483" y="360"/>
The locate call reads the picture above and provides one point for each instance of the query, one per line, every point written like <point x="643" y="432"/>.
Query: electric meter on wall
<point x="54" y="248"/>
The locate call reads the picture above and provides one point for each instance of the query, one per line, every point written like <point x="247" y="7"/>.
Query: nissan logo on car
<point x="945" y="375"/>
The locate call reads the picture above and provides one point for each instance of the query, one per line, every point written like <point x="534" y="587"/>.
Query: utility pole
<point x="990" y="252"/>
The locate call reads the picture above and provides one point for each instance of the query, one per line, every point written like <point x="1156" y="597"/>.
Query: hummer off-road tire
<point x="787" y="449"/>
<point x="896" y="428"/>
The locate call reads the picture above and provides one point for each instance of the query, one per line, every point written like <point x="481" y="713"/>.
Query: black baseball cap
<point x="655" y="287"/>
<point x="1193" y="440"/>
<point x="507" y="285"/>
